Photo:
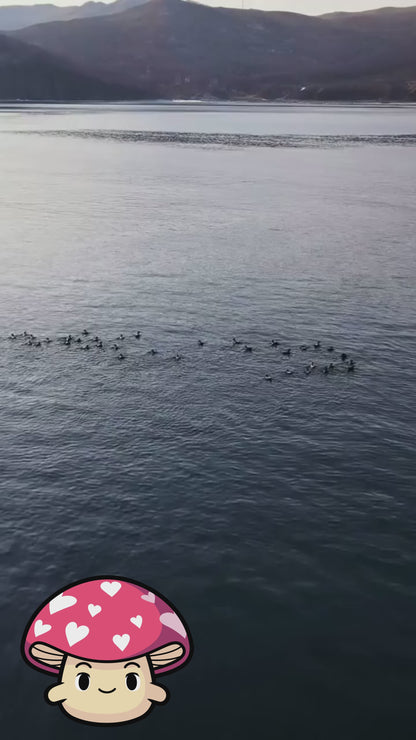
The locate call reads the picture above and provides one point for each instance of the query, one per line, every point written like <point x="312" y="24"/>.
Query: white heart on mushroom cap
<point x="94" y="609"/>
<point x="138" y="621"/>
<point x="110" y="587"/>
<point x="40" y="628"/>
<point x="149" y="597"/>
<point x="61" y="602"/>
<point x="121" y="641"/>
<point x="169" y="619"/>
<point x="74" y="633"/>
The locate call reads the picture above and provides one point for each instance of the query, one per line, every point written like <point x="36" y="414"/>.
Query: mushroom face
<point x="106" y="638"/>
<point x="106" y="693"/>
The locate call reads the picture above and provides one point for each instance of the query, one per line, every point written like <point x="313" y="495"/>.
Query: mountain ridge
<point x="176" y="49"/>
<point x="15" y="17"/>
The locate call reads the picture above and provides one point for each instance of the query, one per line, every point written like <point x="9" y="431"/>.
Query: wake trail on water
<point x="237" y="140"/>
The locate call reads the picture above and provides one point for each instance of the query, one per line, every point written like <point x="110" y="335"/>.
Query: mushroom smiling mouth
<point x="107" y="692"/>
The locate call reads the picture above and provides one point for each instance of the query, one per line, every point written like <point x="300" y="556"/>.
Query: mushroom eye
<point x="133" y="681"/>
<point x="82" y="681"/>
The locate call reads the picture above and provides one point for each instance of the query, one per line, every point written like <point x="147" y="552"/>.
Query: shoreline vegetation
<point x="212" y="101"/>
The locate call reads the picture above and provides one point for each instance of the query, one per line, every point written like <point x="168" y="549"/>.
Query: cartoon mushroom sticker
<point x="106" y="639"/>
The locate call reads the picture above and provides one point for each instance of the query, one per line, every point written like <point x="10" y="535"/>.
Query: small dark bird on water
<point x="288" y="372"/>
<point x="115" y="346"/>
<point x="317" y="345"/>
<point x="138" y="334"/>
<point x="330" y="349"/>
<point x="121" y="336"/>
<point x="304" y="347"/>
<point x="85" y="332"/>
<point x="247" y="348"/>
<point x="236" y="341"/>
<point x="286" y="352"/>
<point x="344" y="357"/>
<point x="351" y="366"/>
<point x="268" y="378"/>
<point x="120" y="356"/>
<point x="325" y="370"/>
<point x="200" y="343"/>
<point x="152" y="352"/>
<point x="275" y="343"/>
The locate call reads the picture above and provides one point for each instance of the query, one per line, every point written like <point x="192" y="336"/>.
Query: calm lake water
<point x="279" y="517"/>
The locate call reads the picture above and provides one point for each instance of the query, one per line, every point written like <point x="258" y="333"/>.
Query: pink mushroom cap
<point x="106" y="619"/>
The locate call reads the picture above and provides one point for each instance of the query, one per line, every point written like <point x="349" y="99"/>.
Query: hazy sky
<point x="297" y="6"/>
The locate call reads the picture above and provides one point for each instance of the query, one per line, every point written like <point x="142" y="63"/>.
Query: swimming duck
<point x="120" y="356"/>
<point x="317" y="345"/>
<point x="268" y="378"/>
<point x="304" y="347"/>
<point x="152" y="352"/>
<point x="344" y="357"/>
<point x="286" y="352"/>
<point x="138" y="334"/>
<point x="351" y="366"/>
<point x="274" y="343"/>
<point x="247" y="348"/>
<point x="288" y="372"/>
<point x="236" y="341"/>
<point x="200" y="343"/>
<point x="330" y="349"/>
<point x="177" y="356"/>
<point x="115" y="346"/>
<point x="325" y="370"/>
<point x="85" y="332"/>
<point x="121" y="336"/>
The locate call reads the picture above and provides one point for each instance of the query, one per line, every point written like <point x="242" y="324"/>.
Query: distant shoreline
<point x="238" y="101"/>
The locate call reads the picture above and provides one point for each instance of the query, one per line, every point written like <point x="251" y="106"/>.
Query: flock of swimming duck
<point x="86" y="342"/>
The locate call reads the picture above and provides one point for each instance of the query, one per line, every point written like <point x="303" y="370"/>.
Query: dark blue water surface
<point x="279" y="516"/>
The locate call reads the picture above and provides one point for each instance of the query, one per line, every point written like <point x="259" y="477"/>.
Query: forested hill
<point x="172" y="49"/>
